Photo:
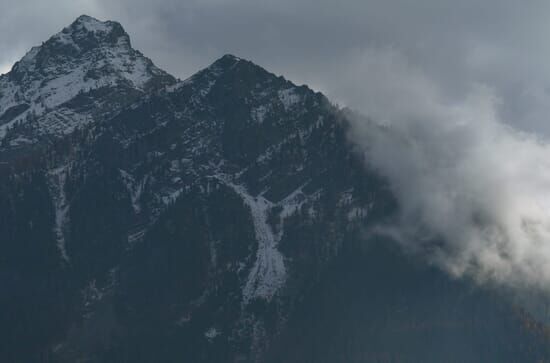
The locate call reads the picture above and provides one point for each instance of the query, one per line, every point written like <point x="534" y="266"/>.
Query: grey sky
<point x="501" y="43"/>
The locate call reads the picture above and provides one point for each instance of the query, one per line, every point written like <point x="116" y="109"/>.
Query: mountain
<point x="86" y="72"/>
<point x="217" y="219"/>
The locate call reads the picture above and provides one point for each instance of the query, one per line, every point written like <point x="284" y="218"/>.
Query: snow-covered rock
<point x="73" y="78"/>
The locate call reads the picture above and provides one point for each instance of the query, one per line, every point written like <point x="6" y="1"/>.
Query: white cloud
<point x="474" y="193"/>
<point x="5" y="68"/>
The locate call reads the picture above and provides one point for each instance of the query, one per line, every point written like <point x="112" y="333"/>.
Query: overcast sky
<point x="327" y="44"/>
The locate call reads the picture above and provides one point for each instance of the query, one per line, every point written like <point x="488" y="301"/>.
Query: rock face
<point x="216" y="219"/>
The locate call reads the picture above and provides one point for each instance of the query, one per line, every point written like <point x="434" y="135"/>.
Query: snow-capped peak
<point x="92" y="24"/>
<point x="84" y="36"/>
<point x="85" y="56"/>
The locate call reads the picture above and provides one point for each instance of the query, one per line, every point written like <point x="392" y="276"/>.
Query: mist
<point x="473" y="192"/>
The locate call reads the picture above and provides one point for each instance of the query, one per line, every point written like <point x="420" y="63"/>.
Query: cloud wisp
<point x="474" y="193"/>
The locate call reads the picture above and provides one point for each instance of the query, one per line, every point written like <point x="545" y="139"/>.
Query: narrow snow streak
<point x="58" y="179"/>
<point x="135" y="189"/>
<point x="268" y="273"/>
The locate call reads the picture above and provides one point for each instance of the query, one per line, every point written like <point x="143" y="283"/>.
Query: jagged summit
<point x="231" y="70"/>
<point x="86" y="30"/>
<point x="228" y="59"/>
<point x="92" y="24"/>
<point x="89" y="55"/>
<point x="241" y="70"/>
<point x="230" y="62"/>
<point x="225" y="63"/>
<point x="85" y="34"/>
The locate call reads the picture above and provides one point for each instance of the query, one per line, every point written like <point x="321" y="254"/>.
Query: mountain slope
<point x="187" y="156"/>
<point x="205" y="220"/>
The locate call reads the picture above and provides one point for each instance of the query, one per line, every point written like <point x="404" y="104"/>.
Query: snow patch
<point x="135" y="189"/>
<point x="20" y="140"/>
<point x="93" y="25"/>
<point x="292" y="203"/>
<point x="268" y="274"/>
<point x="212" y="333"/>
<point x="357" y="213"/>
<point x="289" y="98"/>
<point x="57" y="182"/>
<point x="136" y="235"/>
<point x="171" y="197"/>
<point x="259" y="113"/>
